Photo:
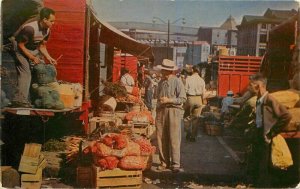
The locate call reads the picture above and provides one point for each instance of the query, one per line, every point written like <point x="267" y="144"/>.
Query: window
<point x="263" y="38"/>
<point x="264" y="26"/>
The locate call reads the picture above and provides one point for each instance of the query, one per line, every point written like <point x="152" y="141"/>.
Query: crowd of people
<point x="177" y="98"/>
<point x="182" y="98"/>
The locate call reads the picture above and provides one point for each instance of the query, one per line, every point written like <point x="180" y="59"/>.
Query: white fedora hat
<point x="167" y="65"/>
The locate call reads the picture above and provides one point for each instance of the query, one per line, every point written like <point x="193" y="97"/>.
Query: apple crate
<point x="117" y="178"/>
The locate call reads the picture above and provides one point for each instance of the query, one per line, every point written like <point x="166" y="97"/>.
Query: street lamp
<point x="168" y="23"/>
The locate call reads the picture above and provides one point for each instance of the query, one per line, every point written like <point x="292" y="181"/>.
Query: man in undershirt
<point x="30" y="49"/>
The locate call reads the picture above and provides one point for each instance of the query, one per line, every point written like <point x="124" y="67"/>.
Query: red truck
<point x="234" y="72"/>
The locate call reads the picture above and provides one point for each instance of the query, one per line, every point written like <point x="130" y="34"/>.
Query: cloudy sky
<point x="196" y="12"/>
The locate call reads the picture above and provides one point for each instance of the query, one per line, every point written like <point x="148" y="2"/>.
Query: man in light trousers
<point x="170" y="98"/>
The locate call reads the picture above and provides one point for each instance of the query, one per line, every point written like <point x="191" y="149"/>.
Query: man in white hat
<point x="170" y="98"/>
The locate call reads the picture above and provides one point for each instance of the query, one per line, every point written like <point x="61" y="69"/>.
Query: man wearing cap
<point x="226" y="102"/>
<point x="170" y="98"/>
<point x="195" y="88"/>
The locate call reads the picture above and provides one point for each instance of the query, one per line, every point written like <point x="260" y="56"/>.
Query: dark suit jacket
<point x="275" y="116"/>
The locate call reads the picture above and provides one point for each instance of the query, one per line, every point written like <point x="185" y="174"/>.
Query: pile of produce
<point x="144" y="116"/>
<point x="45" y="96"/>
<point x="119" y="151"/>
<point x="114" y="89"/>
<point x="72" y="147"/>
<point x="129" y="98"/>
<point x="54" y="145"/>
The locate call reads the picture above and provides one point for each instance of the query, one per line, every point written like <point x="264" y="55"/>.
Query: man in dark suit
<point x="271" y="117"/>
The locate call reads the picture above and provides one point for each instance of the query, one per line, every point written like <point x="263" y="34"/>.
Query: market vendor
<point x="126" y="78"/>
<point x="170" y="98"/>
<point x="29" y="43"/>
<point x="226" y="102"/>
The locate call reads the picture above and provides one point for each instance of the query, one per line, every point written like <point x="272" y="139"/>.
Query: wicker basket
<point x="213" y="128"/>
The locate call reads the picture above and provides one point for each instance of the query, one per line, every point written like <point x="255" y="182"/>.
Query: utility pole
<point x="168" y="40"/>
<point x="168" y="31"/>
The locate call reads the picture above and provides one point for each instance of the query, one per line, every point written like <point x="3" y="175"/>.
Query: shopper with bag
<point x="271" y="117"/>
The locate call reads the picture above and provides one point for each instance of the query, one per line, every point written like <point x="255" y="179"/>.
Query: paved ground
<point x="208" y="161"/>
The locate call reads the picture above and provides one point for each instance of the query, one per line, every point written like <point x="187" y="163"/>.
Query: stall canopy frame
<point x="113" y="37"/>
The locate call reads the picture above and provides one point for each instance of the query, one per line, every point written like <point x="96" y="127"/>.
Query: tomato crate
<point x="117" y="178"/>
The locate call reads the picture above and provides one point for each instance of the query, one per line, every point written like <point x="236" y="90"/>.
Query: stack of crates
<point x="32" y="164"/>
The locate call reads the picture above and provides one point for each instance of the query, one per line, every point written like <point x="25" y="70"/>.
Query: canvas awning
<point x="113" y="37"/>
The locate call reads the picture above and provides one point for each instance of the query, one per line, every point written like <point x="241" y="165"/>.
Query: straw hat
<point x="168" y="65"/>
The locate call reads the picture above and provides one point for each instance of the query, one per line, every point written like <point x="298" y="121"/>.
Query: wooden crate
<point x="32" y="159"/>
<point x="32" y="177"/>
<point x="121" y="114"/>
<point x="141" y="129"/>
<point x="117" y="178"/>
<point x="32" y="181"/>
<point x="84" y="177"/>
<point x="104" y="123"/>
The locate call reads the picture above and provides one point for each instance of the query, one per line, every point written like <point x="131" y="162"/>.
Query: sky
<point x="196" y="12"/>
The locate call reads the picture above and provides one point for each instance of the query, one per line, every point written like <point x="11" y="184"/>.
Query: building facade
<point x="197" y="53"/>
<point x="225" y="35"/>
<point x="156" y="35"/>
<point x="253" y="32"/>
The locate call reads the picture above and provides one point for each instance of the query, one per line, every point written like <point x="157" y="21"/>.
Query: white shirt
<point x="194" y="85"/>
<point x="259" y="116"/>
<point x="127" y="80"/>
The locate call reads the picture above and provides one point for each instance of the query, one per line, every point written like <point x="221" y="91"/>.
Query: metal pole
<point x="168" y="40"/>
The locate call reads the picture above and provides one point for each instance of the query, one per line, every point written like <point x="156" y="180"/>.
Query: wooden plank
<point x="120" y="181"/>
<point x="116" y="173"/>
<point x="32" y="150"/>
<point x="32" y="177"/>
<point x="117" y="178"/>
<point x="31" y="165"/>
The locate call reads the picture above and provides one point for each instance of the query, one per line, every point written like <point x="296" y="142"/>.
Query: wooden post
<point x="86" y="54"/>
